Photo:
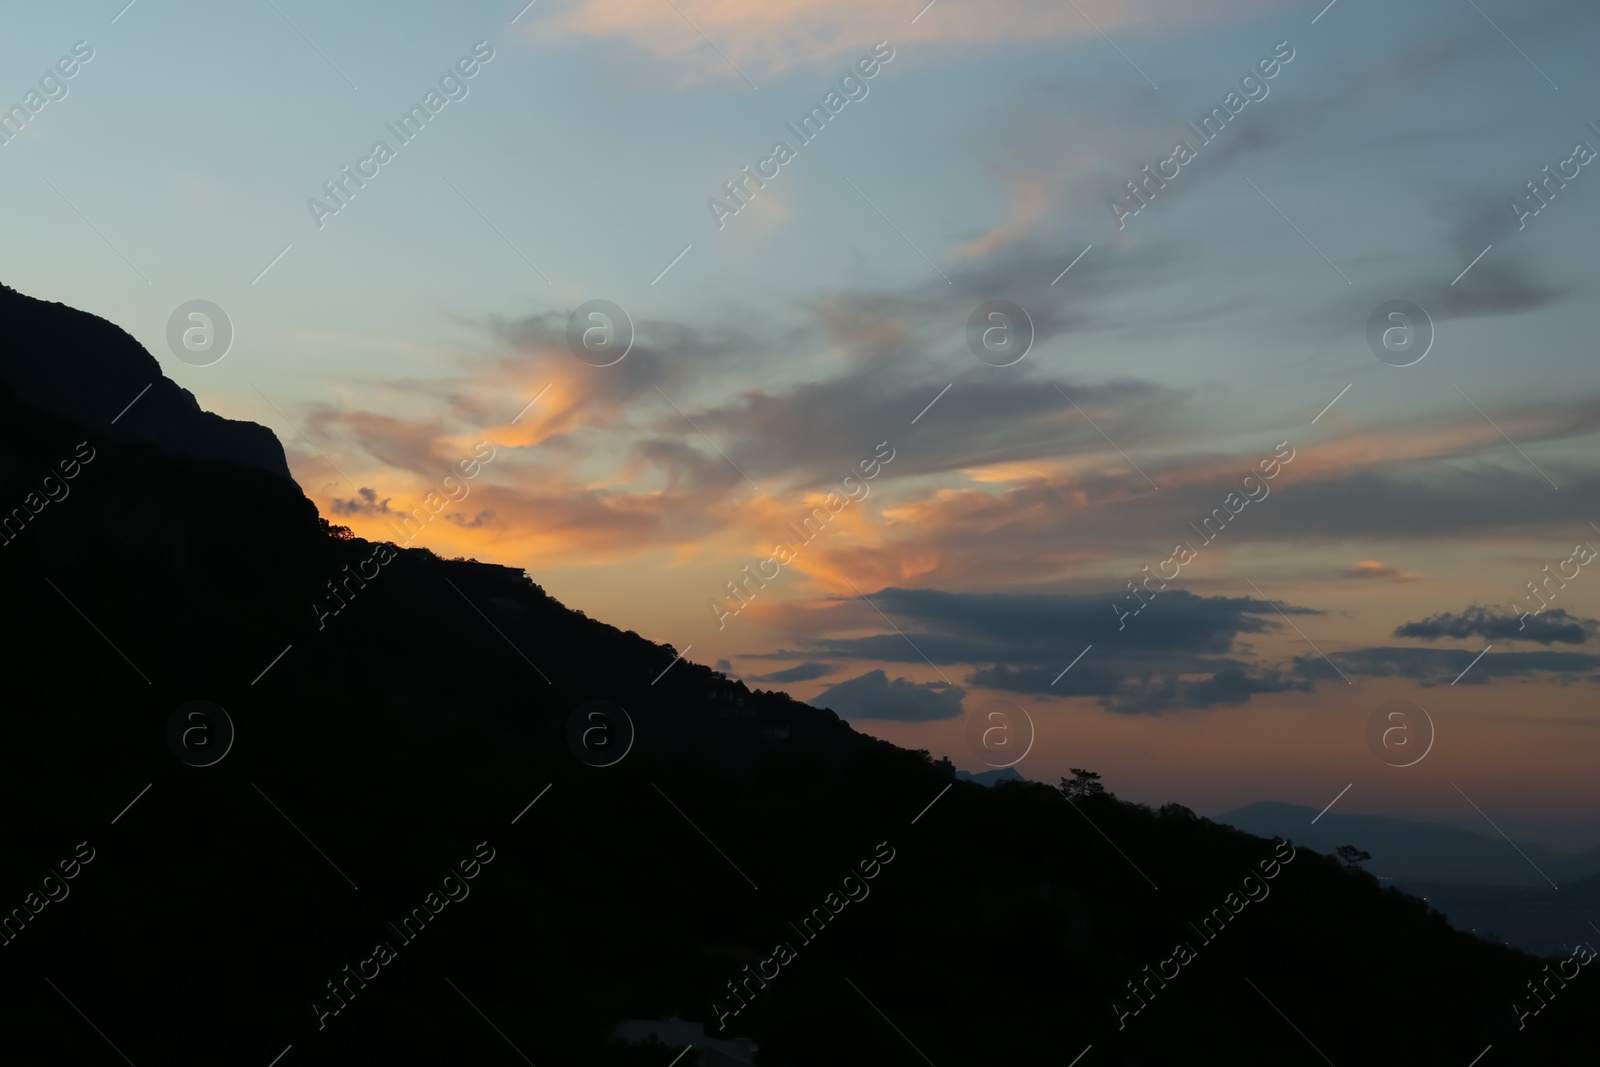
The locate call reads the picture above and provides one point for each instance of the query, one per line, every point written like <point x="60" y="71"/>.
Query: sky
<point x="777" y="345"/>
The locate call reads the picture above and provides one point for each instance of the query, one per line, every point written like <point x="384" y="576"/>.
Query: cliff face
<point x="85" y="369"/>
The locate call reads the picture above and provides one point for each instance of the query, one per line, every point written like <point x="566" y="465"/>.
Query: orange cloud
<point x="602" y="470"/>
<point x="1449" y="436"/>
<point x="1032" y="197"/>
<point x="1049" y="518"/>
<point x="1371" y="568"/>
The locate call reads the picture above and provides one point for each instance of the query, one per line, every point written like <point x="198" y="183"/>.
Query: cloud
<point x="482" y="518"/>
<point x="1442" y="666"/>
<point x="420" y="447"/>
<point x="763" y="39"/>
<point x="1372" y="570"/>
<point x="873" y="696"/>
<point x="1032" y="197"/>
<point x="1040" y="493"/>
<point x="1548" y="628"/>
<point x="369" y="504"/>
<point x="602" y="468"/>
<point x="1053" y="517"/>
<point x="1015" y="628"/>
<point x="1174" y="655"/>
<point x="1126" y="688"/>
<point x="804" y="672"/>
<point x="1236" y="683"/>
<point x="1497" y="285"/>
<point x="1092" y="678"/>
<point x="582" y="476"/>
<point x="1063" y="148"/>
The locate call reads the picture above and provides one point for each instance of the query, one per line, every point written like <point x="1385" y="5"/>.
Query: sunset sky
<point x="811" y="330"/>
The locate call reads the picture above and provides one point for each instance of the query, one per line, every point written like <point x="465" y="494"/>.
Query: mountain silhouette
<point x="991" y="777"/>
<point x="1408" y="850"/>
<point x="294" y="897"/>
<point x="87" y="370"/>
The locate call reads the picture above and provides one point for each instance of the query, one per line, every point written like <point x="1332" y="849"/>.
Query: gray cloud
<point x="1441" y="666"/>
<point x="1236" y="683"/>
<point x="1554" y="626"/>
<point x="1022" y="629"/>
<point x="874" y="696"/>
<point x="369" y="504"/>
<point x="1174" y="654"/>
<point x="803" y="672"/>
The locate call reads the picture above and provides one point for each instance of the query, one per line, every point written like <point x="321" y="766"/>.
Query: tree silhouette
<point x="1353" y="856"/>
<point x="1085" y="784"/>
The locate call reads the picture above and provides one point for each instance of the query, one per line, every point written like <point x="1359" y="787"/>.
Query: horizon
<point x="1180" y="345"/>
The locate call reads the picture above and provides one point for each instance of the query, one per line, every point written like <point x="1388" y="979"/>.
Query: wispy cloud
<point x="763" y="39"/>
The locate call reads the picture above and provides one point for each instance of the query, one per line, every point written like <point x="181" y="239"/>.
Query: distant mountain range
<point x="1407" y="851"/>
<point x="1480" y="882"/>
<point x="1540" y="920"/>
<point x="991" y="778"/>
